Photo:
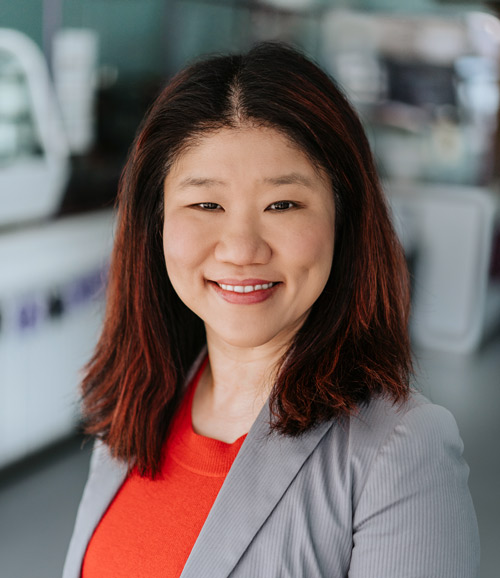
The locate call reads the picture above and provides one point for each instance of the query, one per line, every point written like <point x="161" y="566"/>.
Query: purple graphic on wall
<point x="36" y="308"/>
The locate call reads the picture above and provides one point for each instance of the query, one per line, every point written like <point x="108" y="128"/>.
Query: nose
<point x="241" y="242"/>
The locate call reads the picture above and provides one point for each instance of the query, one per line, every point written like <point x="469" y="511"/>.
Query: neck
<point x="233" y="389"/>
<point x="246" y="373"/>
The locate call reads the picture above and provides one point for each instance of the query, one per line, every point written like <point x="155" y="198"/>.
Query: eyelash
<point x="208" y="206"/>
<point x="215" y="206"/>
<point x="291" y="205"/>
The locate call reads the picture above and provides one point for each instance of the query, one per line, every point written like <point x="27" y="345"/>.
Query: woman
<point x="250" y="388"/>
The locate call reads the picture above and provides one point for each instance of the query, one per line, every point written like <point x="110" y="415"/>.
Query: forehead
<point x="243" y="151"/>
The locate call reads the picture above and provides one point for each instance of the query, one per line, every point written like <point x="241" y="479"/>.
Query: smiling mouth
<point x="246" y="288"/>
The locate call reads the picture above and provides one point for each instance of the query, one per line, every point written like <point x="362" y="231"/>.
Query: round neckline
<point x="193" y="451"/>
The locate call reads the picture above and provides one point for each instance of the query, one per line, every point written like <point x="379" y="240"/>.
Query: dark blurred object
<point x="55" y="305"/>
<point x="93" y="183"/>
<point x="493" y="5"/>
<point x="420" y="83"/>
<point x="121" y="108"/>
<point x="94" y="177"/>
<point x="495" y="256"/>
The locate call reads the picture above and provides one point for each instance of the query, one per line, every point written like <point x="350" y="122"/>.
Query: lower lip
<point x="245" y="298"/>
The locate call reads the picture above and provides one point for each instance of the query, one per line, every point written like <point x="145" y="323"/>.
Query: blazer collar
<point x="263" y="469"/>
<point x="106" y="477"/>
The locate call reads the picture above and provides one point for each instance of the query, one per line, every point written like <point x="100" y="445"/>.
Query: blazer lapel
<point x="264" y="468"/>
<point x="106" y="477"/>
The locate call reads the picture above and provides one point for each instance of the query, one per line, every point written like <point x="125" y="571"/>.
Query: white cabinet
<point x="52" y="281"/>
<point x="455" y="303"/>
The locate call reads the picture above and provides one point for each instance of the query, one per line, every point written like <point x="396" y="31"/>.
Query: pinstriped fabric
<point x="106" y="475"/>
<point x="383" y="495"/>
<point x="311" y="508"/>
<point x="414" y="516"/>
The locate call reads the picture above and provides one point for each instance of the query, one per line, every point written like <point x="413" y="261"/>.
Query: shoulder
<point x="384" y="441"/>
<point x="409" y="485"/>
<point x="417" y="421"/>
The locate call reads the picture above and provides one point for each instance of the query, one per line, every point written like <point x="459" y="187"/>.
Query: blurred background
<point x="76" y="77"/>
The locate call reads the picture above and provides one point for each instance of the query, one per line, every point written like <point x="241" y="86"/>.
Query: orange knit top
<point x="150" y="527"/>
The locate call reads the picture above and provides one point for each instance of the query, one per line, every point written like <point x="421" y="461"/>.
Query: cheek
<point x="311" y="249"/>
<point x="182" y="245"/>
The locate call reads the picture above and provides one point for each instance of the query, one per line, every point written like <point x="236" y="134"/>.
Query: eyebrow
<point x="199" y="182"/>
<point x="281" y="180"/>
<point x="289" y="179"/>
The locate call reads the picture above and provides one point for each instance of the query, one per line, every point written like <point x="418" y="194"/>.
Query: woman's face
<point x="248" y="235"/>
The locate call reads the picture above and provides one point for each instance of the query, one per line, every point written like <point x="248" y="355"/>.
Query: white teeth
<point x="245" y="288"/>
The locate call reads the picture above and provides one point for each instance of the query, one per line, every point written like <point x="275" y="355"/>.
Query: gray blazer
<point x="381" y="495"/>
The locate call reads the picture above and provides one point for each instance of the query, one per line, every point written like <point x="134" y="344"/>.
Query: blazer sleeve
<point x="414" y="516"/>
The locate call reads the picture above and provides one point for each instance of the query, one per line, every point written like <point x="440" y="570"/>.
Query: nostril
<point x="243" y="250"/>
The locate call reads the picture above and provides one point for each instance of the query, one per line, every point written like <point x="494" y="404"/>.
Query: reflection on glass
<point x="18" y="136"/>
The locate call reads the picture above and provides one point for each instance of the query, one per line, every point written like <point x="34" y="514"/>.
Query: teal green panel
<point x="130" y="31"/>
<point x="407" y="6"/>
<point x="23" y="15"/>
<point x="401" y="6"/>
<point x="152" y="36"/>
<point x="199" y="28"/>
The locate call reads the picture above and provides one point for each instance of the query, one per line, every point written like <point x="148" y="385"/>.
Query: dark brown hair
<point x="354" y="343"/>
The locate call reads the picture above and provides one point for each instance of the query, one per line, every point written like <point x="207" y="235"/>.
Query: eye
<point x="282" y="206"/>
<point x="208" y="206"/>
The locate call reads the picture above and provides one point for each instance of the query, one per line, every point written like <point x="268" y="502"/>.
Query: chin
<point x="246" y="341"/>
<point x="244" y="337"/>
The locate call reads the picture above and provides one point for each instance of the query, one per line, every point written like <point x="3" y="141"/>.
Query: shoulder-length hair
<point x="354" y="343"/>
